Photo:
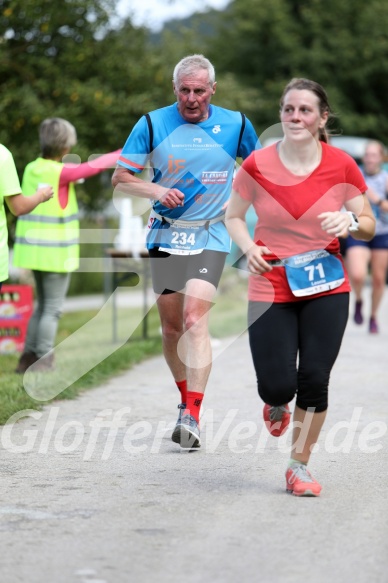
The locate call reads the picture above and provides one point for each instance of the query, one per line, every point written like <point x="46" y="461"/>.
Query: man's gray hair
<point x="192" y="64"/>
<point x="55" y="136"/>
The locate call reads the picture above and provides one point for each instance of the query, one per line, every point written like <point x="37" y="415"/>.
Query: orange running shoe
<point x="300" y="482"/>
<point x="276" y="419"/>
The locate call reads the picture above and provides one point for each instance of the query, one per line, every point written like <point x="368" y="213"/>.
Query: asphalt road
<point x="94" y="491"/>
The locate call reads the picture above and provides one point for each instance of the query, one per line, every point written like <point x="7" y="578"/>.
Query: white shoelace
<point x="300" y="472"/>
<point x="276" y="413"/>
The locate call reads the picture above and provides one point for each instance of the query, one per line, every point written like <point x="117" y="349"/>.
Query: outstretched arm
<point x="74" y="172"/>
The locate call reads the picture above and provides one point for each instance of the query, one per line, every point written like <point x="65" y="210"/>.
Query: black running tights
<point x="294" y="346"/>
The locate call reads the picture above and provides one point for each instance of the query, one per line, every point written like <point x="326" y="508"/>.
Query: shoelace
<point x="300" y="472"/>
<point x="276" y="413"/>
<point x="189" y="420"/>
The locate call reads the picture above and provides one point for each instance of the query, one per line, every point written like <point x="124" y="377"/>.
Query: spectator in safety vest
<point x="47" y="239"/>
<point x="11" y="193"/>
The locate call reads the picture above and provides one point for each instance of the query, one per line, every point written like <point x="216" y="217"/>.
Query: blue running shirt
<point x="198" y="159"/>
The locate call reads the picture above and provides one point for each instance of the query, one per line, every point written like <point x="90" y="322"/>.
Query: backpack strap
<point x="241" y="131"/>
<point x="150" y="130"/>
<point x="151" y="135"/>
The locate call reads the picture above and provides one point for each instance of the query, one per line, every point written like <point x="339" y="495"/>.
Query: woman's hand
<point x="336" y="223"/>
<point x="255" y="262"/>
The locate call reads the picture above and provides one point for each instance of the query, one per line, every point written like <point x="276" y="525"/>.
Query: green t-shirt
<point x="9" y="185"/>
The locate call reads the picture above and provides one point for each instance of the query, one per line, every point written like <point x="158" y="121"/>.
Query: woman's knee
<point x="313" y="392"/>
<point x="52" y="310"/>
<point x="276" y="393"/>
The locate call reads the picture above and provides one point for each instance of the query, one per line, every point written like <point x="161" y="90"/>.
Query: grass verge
<point x="86" y="357"/>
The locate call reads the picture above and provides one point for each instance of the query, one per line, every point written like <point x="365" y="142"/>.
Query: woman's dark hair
<point x="324" y="107"/>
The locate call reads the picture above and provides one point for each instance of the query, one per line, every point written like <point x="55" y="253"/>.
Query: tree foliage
<point x="67" y="59"/>
<point x="342" y="45"/>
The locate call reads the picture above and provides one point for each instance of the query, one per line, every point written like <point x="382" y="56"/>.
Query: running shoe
<point x="276" y="419"/>
<point x="181" y="407"/>
<point x="373" y="327"/>
<point x="186" y="433"/>
<point x="358" y="317"/>
<point x="300" y="482"/>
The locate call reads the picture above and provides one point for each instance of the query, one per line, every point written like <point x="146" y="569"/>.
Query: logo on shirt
<point x="175" y="164"/>
<point x="214" y="177"/>
<point x="203" y="270"/>
<point x="216" y="129"/>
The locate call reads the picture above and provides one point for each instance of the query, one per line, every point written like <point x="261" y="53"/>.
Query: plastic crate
<point x="16" y="305"/>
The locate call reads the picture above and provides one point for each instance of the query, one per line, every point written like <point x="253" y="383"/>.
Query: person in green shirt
<point x="18" y="204"/>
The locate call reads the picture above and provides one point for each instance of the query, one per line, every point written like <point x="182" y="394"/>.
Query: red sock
<point x="194" y="401"/>
<point x="182" y="386"/>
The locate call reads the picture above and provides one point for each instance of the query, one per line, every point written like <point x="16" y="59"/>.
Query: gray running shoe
<point x="186" y="432"/>
<point x="181" y="407"/>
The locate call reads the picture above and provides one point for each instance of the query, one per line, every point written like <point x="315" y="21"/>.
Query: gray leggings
<point x="51" y="290"/>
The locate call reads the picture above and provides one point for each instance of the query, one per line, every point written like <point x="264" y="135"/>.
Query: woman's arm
<point x="373" y="196"/>
<point x="74" y="172"/>
<point x="238" y="230"/>
<point x="337" y="223"/>
<point x="19" y="204"/>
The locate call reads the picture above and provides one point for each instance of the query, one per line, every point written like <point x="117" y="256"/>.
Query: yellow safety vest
<point x="47" y="239"/>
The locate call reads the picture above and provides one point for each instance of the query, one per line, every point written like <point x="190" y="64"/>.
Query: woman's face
<point x="300" y="115"/>
<point x="373" y="158"/>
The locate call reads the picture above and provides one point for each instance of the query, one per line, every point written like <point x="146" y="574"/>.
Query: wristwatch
<point x="354" y="225"/>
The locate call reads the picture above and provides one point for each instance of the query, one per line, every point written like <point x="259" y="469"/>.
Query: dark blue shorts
<point x="378" y="242"/>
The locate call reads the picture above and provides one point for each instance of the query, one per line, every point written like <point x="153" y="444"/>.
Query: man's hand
<point x="172" y="198"/>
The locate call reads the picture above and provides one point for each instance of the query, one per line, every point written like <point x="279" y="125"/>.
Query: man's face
<point x="194" y="93"/>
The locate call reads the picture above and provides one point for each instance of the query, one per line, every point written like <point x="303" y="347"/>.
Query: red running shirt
<point x="287" y="207"/>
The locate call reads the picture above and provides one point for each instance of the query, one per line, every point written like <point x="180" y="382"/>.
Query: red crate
<point x="16" y="305"/>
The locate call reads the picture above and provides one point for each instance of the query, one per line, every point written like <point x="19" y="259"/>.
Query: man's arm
<point x="125" y="182"/>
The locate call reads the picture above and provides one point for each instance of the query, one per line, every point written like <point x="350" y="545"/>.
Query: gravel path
<point x="94" y="491"/>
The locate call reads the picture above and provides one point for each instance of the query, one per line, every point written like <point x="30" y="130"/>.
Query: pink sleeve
<point x="74" y="172"/>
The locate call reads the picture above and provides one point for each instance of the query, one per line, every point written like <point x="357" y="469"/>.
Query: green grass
<point x="86" y="356"/>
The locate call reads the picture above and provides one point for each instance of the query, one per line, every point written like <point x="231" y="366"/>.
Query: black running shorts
<point x="170" y="273"/>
